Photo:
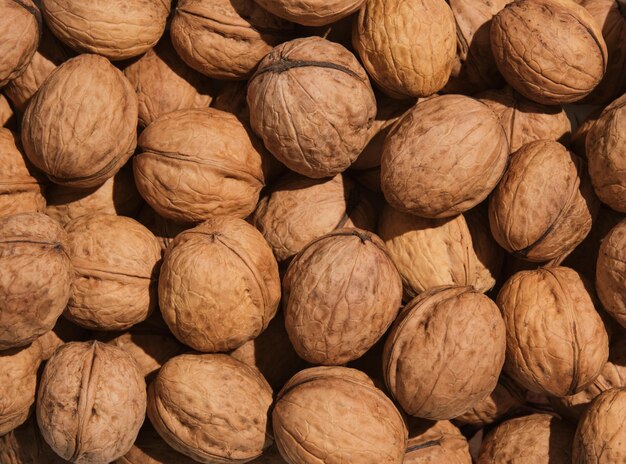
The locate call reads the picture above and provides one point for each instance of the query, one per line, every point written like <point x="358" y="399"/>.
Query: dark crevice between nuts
<point x="285" y="64"/>
<point x="427" y="444"/>
<point x="354" y="197"/>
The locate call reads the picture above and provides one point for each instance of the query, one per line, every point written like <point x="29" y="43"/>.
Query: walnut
<point x="149" y="448"/>
<point x="611" y="273"/>
<point x="7" y="117"/>
<point x="311" y="12"/>
<point x="436" y="442"/>
<point x="21" y="28"/>
<point x="269" y="456"/>
<point x="25" y="445"/>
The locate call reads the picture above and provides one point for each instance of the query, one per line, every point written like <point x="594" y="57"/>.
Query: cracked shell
<point x="116" y="263"/>
<point x="35" y="279"/>
<point x="443" y="157"/>
<point x="117" y="29"/>
<point x="611" y="273"/>
<point x="389" y="37"/>
<point x="21" y="28"/>
<point x="336" y="415"/>
<point x="25" y="445"/>
<point x="311" y="12"/>
<point x="550" y="51"/>
<point x="219" y="285"/>
<point x="91" y="402"/>
<point x="227" y="399"/>
<point x="80" y="127"/>
<point x="556" y="340"/>
<point x="444" y="328"/>
<point x="436" y="442"/>
<point x="312" y="104"/>
<point x="149" y="448"/>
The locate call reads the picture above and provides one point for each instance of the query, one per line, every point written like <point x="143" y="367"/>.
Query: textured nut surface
<point x="556" y="341"/>
<point x="550" y="51"/>
<point x="444" y="328"/>
<point x="20" y="25"/>
<point x="443" y="157"/>
<point x="80" y="127"/>
<point x="269" y="456"/>
<point x="116" y="265"/>
<point x="611" y="273"/>
<point x="210" y="407"/>
<point x="389" y="38"/>
<point x="198" y="163"/>
<point x="436" y="442"/>
<point x="333" y="415"/>
<point x="311" y="12"/>
<point x="25" y="445"/>
<point x="543" y="207"/>
<point x="7" y="117"/>
<point x="35" y="279"/>
<point x="116" y="29"/>
<point x="219" y="285"/>
<point x="149" y="448"/>
<point x="312" y="104"/>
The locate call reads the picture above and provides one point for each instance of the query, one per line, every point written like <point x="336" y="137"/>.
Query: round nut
<point x="417" y="178"/>
<point x="219" y="285"/>
<point x="25" y="445"/>
<point x="444" y="328"/>
<point x="311" y="12"/>
<point x="21" y="28"/>
<point x="80" y="127"/>
<point x="149" y="448"/>
<point x="228" y="400"/>
<point x="611" y="273"/>
<point x="432" y="442"/>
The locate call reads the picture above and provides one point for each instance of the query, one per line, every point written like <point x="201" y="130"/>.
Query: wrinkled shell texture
<point x="550" y="51"/>
<point x="535" y="438"/>
<point x="35" y="279"/>
<point x="115" y="261"/>
<point x="311" y="12"/>
<point x="542" y="209"/>
<point x="556" y="341"/>
<point x="340" y="295"/>
<point x="601" y="431"/>
<point x="312" y="104"/>
<point x="149" y="448"/>
<point x="219" y="285"/>
<point x="611" y="273"/>
<point x="444" y="329"/>
<point x="434" y="252"/>
<point x="7" y="117"/>
<point x="91" y="402"/>
<point x="25" y="445"/>
<point x="211" y="408"/>
<point x="443" y="157"/>
<point x="506" y="396"/>
<point x="117" y="29"/>
<point x="80" y="127"/>
<point x="606" y="152"/>
<point x="390" y="37"/>
<point x="21" y="26"/>
<point x="298" y="210"/>
<point x="21" y="189"/>
<point x="269" y="456"/>
<point x="315" y="414"/>
<point x="435" y="443"/>
<point x="525" y="121"/>
<point x="198" y="163"/>
<point x="225" y="39"/>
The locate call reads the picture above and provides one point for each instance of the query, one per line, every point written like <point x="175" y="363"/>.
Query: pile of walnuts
<point x="313" y="231"/>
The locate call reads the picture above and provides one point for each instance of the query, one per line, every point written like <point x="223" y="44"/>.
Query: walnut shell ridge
<point x="150" y="448"/>
<point x="311" y="12"/>
<point x="611" y="273"/>
<point x="21" y="30"/>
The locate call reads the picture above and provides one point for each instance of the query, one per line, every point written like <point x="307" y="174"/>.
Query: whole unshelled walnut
<point x="444" y="329"/>
<point x="91" y="402"/>
<point x="611" y="273"/>
<point x="311" y="12"/>
<point x="80" y="127"/>
<point x="443" y="157"/>
<point x="544" y="205"/>
<point x="35" y="279"/>
<point x="150" y="448"/>
<point x="117" y="30"/>
<point x="20" y="24"/>
<point x="338" y="413"/>
<point x="436" y="442"/>
<point x="227" y="399"/>
<point x="556" y="340"/>
<point x="219" y="285"/>
<point x="25" y="445"/>
<point x="550" y="51"/>
<point x="312" y="104"/>
<point x="116" y="265"/>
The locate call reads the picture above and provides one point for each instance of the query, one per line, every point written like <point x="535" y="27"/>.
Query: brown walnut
<point x="149" y="448"/>
<point x="436" y="442"/>
<point x="611" y="273"/>
<point x="311" y="12"/>
<point x="7" y="117"/>
<point x="20" y="24"/>
<point x="25" y="445"/>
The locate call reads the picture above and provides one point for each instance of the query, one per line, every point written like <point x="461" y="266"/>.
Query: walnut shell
<point x="336" y="415"/>
<point x="538" y="438"/>
<point x="80" y="127"/>
<point x="444" y="329"/>
<point x="611" y="273"/>
<point x="606" y="153"/>
<point x="543" y="206"/>
<point x="228" y="400"/>
<point x="600" y="434"/>
<point x="21" y="187"/>
<point x="21" y="28"/>
<point x="269" y="456"/>
<point x="443" y="157"/>
<point x="35" y="279"/>
<point x="311" y="12"/>
<point x="91" y="402"/>
<point x="312" y="104"/>
<point x="585" y="122"/>
<point x="298" y="209"/>
<point x="390" y="36"/>
<point x="164" y="83"/>
<point x="116" y="264"/>
<point x="149" y="448"/>
<point x="116" y="30"/>
<point x="556" y="340"/>
<point x="541" y="62"/>
<point x="436" y="442"/>
<point x="25" y="445"/>
<point x="62" y="332"/>
<point x="524" y="120"/>
<point x="165" y="230"/>
<point x="219" y="285"/>
<point x="198" y="163"/>
<point x="7" y="117"/>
